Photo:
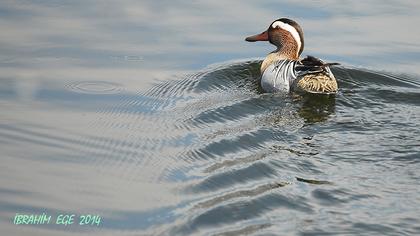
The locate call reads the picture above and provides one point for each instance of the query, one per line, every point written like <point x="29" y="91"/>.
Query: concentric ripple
<point x="95" y="87"/>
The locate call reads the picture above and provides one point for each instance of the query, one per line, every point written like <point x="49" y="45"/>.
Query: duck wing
<point x="314" y="76"/>
<point x="311" y="64"/>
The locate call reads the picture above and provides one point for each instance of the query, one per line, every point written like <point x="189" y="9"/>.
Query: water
<point x="150" y="115"/>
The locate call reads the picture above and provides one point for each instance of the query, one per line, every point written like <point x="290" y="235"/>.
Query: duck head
<point x="286" y="35"/>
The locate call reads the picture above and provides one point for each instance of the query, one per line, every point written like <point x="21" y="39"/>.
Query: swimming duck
<point x="282" y="70"/>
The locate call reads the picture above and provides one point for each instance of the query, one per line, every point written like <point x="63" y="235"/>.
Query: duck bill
<point x="258" y="37"/>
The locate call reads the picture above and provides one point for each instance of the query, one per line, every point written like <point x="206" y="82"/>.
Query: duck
<point x="283" y="70"/>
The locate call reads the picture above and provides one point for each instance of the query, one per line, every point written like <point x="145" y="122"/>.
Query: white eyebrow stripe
<point x="291" y="30"/>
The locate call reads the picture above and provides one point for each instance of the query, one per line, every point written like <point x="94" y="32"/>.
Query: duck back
<point x="307" y="75"/>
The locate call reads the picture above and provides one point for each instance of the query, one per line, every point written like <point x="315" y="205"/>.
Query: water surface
<point x="150" y="115"/>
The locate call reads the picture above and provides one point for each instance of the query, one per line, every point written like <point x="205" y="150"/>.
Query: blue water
<point x="150" y="115"/>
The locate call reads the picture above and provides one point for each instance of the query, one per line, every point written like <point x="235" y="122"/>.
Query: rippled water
<point x="156" y="122"/>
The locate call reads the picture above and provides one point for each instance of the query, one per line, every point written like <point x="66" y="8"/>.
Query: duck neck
<point x="282" y="53"/>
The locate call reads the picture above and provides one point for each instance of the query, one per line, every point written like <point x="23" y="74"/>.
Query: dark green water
<point x="150" y="115"/>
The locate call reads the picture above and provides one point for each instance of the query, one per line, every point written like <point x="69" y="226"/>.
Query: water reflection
<point x="316" y="108"/>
